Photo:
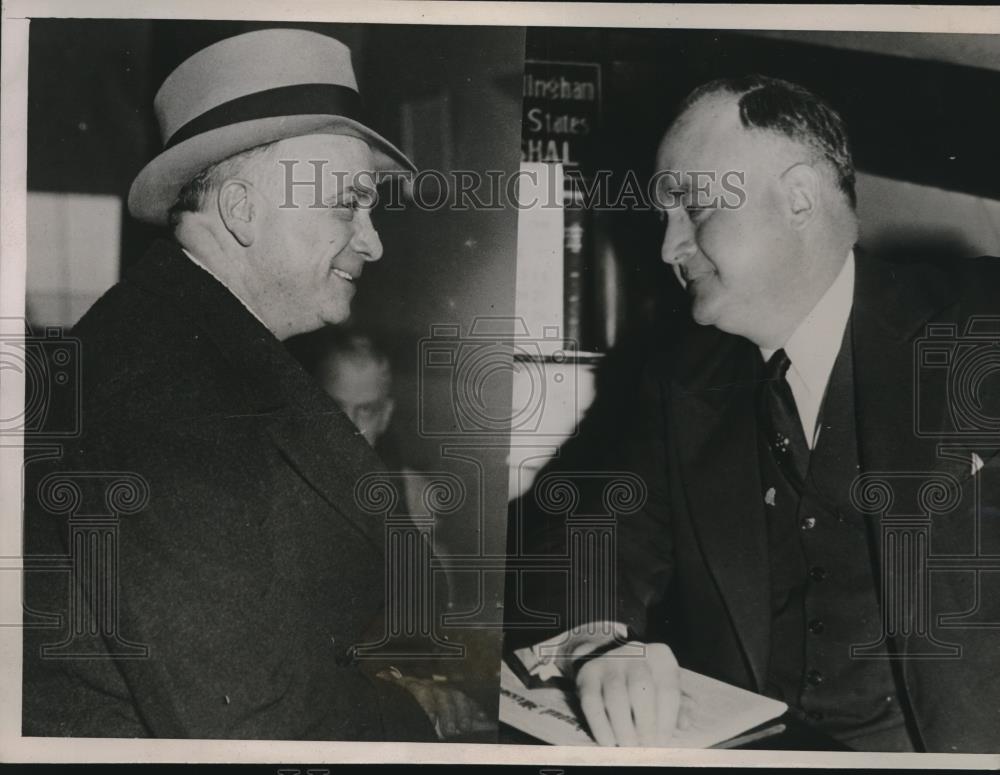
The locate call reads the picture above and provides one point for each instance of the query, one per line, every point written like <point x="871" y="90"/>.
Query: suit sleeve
<point x="642" y="560"/>
<point x="644" y="539"/>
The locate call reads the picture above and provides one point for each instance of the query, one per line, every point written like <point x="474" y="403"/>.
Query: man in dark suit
<point x="241" y="575"/>
<point x="761" y="557"/>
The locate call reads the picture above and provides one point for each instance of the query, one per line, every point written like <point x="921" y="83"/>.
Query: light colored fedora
<point x="245" y="91"/>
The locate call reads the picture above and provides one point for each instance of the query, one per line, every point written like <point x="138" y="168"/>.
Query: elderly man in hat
<point x="246" y="582"/>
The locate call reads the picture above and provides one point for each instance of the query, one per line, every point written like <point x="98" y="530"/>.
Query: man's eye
<point x="354" y="203"/>
<point x="698" y="213"/>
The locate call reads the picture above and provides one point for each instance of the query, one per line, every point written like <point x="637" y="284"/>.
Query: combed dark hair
<point x="792" y="110"/>
<point x="194" y="194"/>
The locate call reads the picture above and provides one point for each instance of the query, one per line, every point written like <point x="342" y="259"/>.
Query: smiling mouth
<point x="691" y="277"/>
<point x="343" y="275"/>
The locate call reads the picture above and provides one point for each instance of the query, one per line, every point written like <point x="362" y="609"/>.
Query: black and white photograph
<point x="777" y="514"/>
<point x="236" y="506"/>
<point x="545" y="384"/>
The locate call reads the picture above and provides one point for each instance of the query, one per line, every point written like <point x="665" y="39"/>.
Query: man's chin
<point x="702" y="312"/>
<point x="338" y="319"/>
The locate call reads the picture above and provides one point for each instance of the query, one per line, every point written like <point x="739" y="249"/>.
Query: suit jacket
<point x="251" y="572"/>
<point x="692" y="565"/>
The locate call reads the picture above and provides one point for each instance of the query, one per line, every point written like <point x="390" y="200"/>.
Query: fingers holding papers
<point x="631" y="697"/>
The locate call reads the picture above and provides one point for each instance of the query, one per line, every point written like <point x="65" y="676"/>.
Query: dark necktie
<point x="780" y="421"/>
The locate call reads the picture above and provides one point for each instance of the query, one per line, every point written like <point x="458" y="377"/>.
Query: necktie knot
<point x="777" y="366"/>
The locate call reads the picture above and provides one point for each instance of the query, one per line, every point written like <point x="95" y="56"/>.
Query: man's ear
<point x="801" y="185"/>
<point x="237" y="209"/>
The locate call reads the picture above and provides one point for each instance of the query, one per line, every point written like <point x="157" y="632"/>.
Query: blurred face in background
<point x="361" y="387"/>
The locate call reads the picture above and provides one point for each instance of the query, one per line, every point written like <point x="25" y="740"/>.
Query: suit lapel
<point x="716" y="443"/>
<point x="317" y="440"/>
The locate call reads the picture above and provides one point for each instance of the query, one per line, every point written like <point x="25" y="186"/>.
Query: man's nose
<point x="366" y="241"/>
<point x="678" y="240"/>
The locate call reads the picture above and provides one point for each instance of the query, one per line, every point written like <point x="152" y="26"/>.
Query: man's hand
<point x="629" y="698"/>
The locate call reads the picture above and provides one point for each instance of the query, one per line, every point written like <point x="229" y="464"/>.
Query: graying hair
<point x="196" y="194"/>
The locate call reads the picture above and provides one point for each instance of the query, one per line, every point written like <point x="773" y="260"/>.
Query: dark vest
<point x="824" y="590"/>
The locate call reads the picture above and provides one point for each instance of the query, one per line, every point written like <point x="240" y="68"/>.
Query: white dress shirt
<point x="813" y="347"/>
<point x="238" y="297"/>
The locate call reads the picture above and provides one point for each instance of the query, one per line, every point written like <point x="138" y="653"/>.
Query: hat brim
<point x="155" y="188"/>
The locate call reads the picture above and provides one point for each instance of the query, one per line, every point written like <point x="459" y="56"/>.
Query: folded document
<point x="717" y="711"/>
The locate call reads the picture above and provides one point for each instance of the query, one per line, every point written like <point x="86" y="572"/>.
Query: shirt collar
<point x="813" y="346"/>
<point x="221" y="282"/>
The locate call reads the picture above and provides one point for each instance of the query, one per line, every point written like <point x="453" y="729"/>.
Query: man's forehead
<point x="707" y="133"/>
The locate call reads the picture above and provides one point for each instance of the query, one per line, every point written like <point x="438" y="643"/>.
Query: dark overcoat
<point x="250" y="573"/>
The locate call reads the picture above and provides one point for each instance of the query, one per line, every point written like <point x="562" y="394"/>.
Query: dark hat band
<point x="296" y="100"/>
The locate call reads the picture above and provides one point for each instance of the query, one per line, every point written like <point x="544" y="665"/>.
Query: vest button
<point x="816" y="626"/>
<point x="814" y="677"/>
<point x="808" y="523"/>
<point x="817" y="573"/>
<point x="814" y="715"/>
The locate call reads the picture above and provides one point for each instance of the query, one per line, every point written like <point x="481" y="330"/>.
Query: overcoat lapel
<point x="716" y="443"/>
<point x="318" y="441"/>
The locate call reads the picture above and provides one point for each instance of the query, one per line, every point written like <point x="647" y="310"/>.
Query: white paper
<point x="717" y="710"/>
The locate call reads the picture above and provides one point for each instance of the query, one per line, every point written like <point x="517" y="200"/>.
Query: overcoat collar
<point x="315" y="436"/>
